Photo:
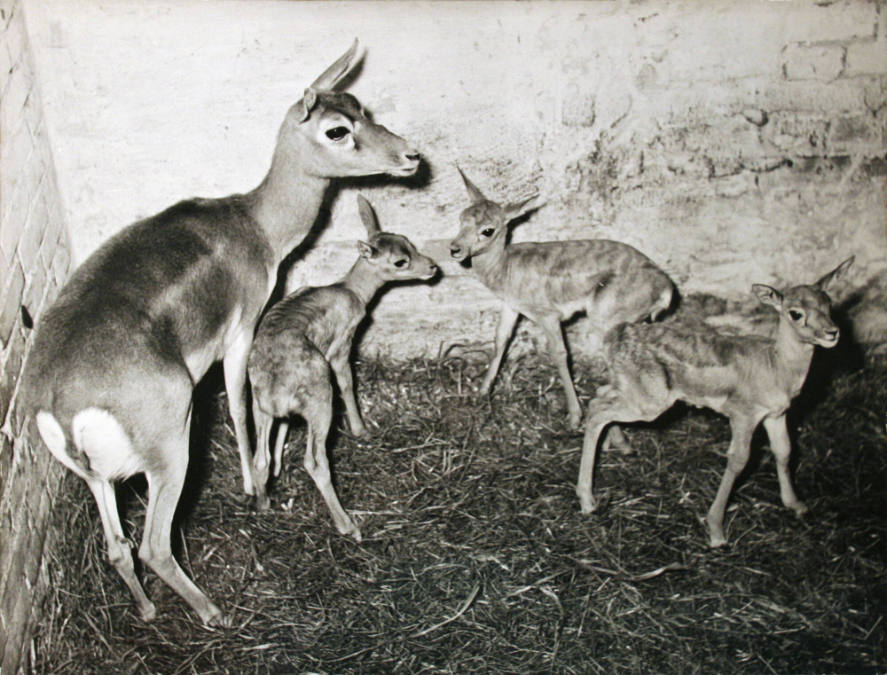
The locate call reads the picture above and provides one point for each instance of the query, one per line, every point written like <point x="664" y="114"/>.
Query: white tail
<point x="550" y="281"/>
<point x="116" y="358"/>
<point x="306" y="334"/>
<point x="749" y="379"/>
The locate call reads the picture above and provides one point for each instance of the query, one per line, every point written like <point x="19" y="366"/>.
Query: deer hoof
<point x="800" y="509"/>
<point x="219" y="620"/>
<point x="148" y="612"/>
<point x="262" y="502"/>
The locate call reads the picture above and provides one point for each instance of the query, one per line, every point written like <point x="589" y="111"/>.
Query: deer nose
<point x="455" y="249"/>
<point x="412" y="155"/>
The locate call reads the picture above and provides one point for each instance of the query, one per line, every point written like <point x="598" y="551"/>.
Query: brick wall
<point x="34" y="261"/>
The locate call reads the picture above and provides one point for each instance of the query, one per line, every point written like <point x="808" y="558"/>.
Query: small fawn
<point x="550" y="281"/>
<point x="110" y="377"/>
<point x="749" y="379"/>
<point x="306" y="334"/>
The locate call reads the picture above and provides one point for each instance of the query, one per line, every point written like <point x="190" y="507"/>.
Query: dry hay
<point x="475" y="557"/>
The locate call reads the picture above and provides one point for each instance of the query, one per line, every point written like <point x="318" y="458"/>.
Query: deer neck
<point x="791" y="357"/>
<point x="287" y="202"/>
<point x="490" y="264"/>
<point x="363" y="281"/>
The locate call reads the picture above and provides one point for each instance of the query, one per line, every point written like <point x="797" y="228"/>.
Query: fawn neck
<point x="287" y="201"/>
<point x="363" y="281"/>
<point x="790" y="356"/>
<point x="490" y="264"/>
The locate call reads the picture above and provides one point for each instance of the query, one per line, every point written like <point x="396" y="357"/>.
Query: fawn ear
<point x="473" y="191"/>
<point x="309" y="100"/>
<point x="338" y="70"/>
<point x="368" y="216"/>
<point x="768" y="295"/>
<point x="835" y="274"/>
<point x="367" y="251"/>
<point x="519" y="208"/>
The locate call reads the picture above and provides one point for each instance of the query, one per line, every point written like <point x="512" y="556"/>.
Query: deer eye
<point x="400" y="263"/>
<point x="795" y="315"/>
<point x="487" y="231"/>
<point x="337" y="133"/>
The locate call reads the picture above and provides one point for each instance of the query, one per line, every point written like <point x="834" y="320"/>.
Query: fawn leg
<point x="737" y="457"/>
<point x="342" y="369"/>
<point x="507" y="321"/>
<point x="319" y="414"/>
<point x="283" y="426"/>
<point x="781" y="447"/>
<point x="551" y="325"/>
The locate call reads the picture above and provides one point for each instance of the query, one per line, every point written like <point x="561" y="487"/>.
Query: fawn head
<point x="484" y="222"/>
<point x="333" y="137"/>
<point x="807" y="309"/>
<point x="393" y="257"/>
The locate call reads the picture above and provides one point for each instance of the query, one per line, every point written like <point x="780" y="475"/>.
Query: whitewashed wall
<point x="732" y="141"/>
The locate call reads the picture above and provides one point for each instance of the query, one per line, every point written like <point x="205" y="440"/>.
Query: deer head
<point x="485" y="222"/>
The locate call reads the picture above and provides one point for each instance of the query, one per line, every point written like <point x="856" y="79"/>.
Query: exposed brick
<point x="820" y="62"/>
<point x="866" y="58"/>
<point x="837" y="21"/>
<point x="847" y="135"/>
<point x="12" y="300"/>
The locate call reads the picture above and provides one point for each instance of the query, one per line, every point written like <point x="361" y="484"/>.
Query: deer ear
<point x="768" y="295"/>
<point x="519" y="208"/>
<point x="473" y="192"/>
<point x="367" y="251"/>
<point x="339" y="69"/>
<point x="309" y="100"/>
<point x="835" y="274"/>
<point x="368" y="216"/>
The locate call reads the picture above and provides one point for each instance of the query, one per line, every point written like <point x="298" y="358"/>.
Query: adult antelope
<point x="550" y="281"/>
<point x="110" y="377"/>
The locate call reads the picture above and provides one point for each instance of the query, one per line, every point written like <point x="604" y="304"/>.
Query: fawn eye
<point x="337" y="133"/>
<point x="400" y="263"/>
<point x="487" y="231"/>
<point x="795" y="315"/>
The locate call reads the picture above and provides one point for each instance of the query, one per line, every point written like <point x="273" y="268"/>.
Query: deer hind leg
<point x="781" y="447"/>
<point x="612" y="404"/>
<point x="507" y="321"/>
<point x="164" y="488"/>
<point x="318" y="413"/>
<point x="283" y="426"/>
<point x="737" y="457"/>
<point x="551" y="325"/>
<point x="119" y="547"/>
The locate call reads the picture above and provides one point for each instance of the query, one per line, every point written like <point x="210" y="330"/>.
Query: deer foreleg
<point x="737" y="457"/>
<point x="342" y="369"/>
<point x="507" y="321"/>
<point x="781" y="447"/>
<point x="235" y="385"/>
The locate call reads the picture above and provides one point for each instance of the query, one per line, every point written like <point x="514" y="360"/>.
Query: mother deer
<point x="109" y="380"/>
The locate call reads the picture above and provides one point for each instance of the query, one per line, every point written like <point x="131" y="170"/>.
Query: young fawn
<point x="115" y="359"/>
<point x="550" y="281"/>
<point x="310" y="332"/>
<point x="749" y="379"/>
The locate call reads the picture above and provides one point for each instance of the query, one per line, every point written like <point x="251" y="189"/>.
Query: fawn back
<point x="748" y="378"/>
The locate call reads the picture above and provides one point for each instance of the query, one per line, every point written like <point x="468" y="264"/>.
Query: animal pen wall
<point x="732" y="142"/>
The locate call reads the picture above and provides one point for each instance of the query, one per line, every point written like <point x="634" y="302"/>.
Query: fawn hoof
<point x="716" y="538"/>
<point x="148" y="612"/>
<point x="800" y="509"/>
<point x="574" y="420"/>
<point x="591" y="504"/>
<point x="217" y="619"/>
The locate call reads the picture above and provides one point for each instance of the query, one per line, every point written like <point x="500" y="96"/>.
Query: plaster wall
<point x="733" y="142"/>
